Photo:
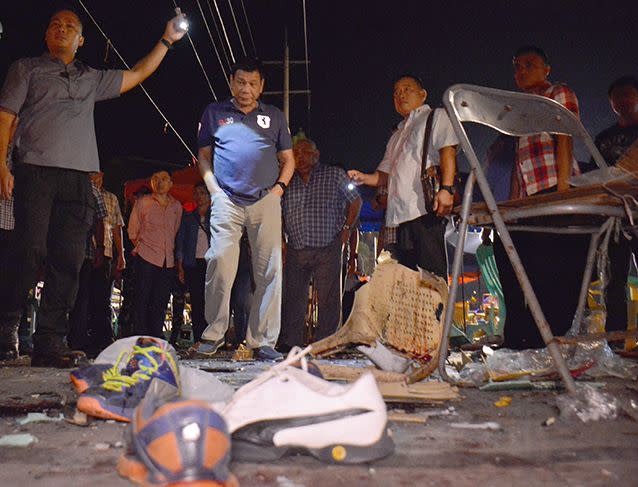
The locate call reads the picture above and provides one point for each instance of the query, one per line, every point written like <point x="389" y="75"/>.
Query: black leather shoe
<point x="8" y="341"/>
<point x="58" y="360"/>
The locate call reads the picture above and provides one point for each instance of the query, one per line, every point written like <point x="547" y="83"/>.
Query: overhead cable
<point x="250" y="32"/>
<point x="307" y="63"/>
<point x="221" y="20"/>
<point x="210" y="35"/>
<point x="219" y="34"/>
<point x="232" y="12"/>
<point x="141" y="86"/>
<point x="199" y="61"/>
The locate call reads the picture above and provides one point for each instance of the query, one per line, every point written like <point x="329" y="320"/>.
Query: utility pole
<point x="286" y="63"/>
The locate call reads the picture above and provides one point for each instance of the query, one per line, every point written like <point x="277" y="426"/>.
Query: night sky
<point x="356" y="48"/>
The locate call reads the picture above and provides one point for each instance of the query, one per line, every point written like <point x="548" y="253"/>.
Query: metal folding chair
<point x="516" y="114"/>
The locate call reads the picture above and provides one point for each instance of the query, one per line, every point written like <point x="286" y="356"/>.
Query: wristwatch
<point x="449" y="189"/>
<point x="282" y="185"/>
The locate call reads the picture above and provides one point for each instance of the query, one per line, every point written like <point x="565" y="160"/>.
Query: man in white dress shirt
<point x="420" y="235"/>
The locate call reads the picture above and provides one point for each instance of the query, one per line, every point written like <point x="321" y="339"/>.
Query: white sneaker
<point x="287" y="410"/>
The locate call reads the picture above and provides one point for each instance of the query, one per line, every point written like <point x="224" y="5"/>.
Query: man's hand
<point x="180" y="273"/>
<point x="278" y="190"/>
<point x="6" y="183"/>
<point x="443" y="203"/>
<point x="172" y="33"/>
<point x="357" y="177"/>
<point x="98" y="260"/>
<point x="121" y="264"/>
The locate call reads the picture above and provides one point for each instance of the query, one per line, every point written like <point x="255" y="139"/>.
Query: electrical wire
<point x="210" y="35"/>
<point x="307" y="64"/>
<point x="221" y="20"/>
<point x="219" y="34"/>
<point x="232" y="12"/>
<point x="250" y="32"/>
<point x="141" y="86"/>
<point x="199" y="61"/>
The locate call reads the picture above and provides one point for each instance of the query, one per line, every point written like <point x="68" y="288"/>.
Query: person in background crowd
<point x="615" y="143"/>
<point x="152" y="228"/>
<point x="420" y="235"/>
<point x="543" y="164"/>
<point x="319" y="212"/>
<point x="193" y="240"/>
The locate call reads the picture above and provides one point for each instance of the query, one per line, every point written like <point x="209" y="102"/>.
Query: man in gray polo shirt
<point x="54" y="96"/>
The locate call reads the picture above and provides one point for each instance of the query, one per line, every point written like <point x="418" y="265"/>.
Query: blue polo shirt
<point x="245" y="147"/>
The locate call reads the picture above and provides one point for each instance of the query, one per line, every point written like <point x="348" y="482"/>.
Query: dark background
<point x="356" y="48"/>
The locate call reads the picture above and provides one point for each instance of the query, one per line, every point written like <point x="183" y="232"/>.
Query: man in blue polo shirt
<point x="247" y="143"/>
<point x="54" y="95"/>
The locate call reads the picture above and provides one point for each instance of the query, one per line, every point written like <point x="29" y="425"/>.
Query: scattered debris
<point x="421" y="392"/>
<point x="39" y="418"/>
<point x="79" y="419"/>
<point x="286" y="482"/>
<point x="243" y="353"/>
<point x="18" y="440"/>
<point x="489" y="425"/>
<point x="400" y="417"/>
<point x="549" y="421"/>
<point x="372" y="471"/>
<point x="588" y="404"/>
<point x="503" y="402"/>
<point x="101" y="446"/>
<point x="341" y="372"/>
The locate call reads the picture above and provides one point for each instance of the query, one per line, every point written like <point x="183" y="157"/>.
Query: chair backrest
<point x="517" y="114"/>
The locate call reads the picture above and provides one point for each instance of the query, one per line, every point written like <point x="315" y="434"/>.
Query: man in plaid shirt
<point x="543" y="162"/>
<point x="319" y="212"/>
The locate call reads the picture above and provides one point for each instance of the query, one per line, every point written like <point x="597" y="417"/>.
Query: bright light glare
<point x="350" y="186"/>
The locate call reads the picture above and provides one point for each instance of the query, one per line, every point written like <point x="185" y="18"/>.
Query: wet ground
<point x="521" y="449"/>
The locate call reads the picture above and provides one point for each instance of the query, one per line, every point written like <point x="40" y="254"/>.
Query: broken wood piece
<point x="422" y="392"/>
<point x="341" y="372"/>
<point x="406" y="418"/>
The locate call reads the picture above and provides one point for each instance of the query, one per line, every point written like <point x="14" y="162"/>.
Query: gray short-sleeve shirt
<point x="55" y="104"/>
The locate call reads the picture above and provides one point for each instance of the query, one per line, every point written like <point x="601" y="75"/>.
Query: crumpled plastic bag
<point x="588" y="404"/>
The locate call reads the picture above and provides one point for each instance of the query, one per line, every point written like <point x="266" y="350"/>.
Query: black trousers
<point x="322" y="264"/>
<point x="54" y="210"/>
<point x="195" y="280"/>
<point x="421" y="242"/>
<point x="152" y="290"/>
<point x="616" y="296"/>
<point x="555" y="266"/>
<point x="90" y="318"/>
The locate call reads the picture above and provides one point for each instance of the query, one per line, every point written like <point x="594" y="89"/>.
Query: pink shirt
<point x="152" y="229"/>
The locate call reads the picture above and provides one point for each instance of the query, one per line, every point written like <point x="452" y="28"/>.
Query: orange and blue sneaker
<point x="121" y="391"/>
<point x="177" y="443"/>
<point x="108" y="363"/>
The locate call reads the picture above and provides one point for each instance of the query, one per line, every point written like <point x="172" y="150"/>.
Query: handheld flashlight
<point x="351" y="186"/>
<point x="181" y="24"/>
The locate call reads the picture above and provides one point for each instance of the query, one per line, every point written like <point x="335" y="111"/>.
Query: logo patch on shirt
<point x="263" y="121"/>
<point x="225" y="121"/>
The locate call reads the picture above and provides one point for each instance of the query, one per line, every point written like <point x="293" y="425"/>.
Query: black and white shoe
<point x="287" y="410"/>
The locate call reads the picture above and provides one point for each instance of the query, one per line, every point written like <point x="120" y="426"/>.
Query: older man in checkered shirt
<point x="319" y="211"/>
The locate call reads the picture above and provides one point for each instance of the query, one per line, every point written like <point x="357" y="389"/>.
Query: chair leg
<point x="456" y="271"/>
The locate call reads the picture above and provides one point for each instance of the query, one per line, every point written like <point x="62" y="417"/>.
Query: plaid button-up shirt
<point x="7" y="221"/>
<point x="536" y="155"/>
<point x="314" y="213"/>
<point x="100" y="214"/>
<point x="113" y="219"/>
